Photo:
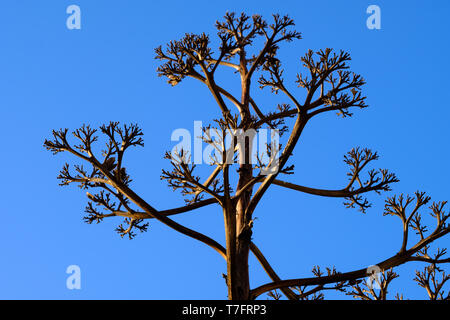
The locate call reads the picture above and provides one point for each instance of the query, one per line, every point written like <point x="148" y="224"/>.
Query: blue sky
<point x="52" y="77"/>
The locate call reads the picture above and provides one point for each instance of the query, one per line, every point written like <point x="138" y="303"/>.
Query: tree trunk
<point x="238" y="237"/>
<point x="237" y="223"/>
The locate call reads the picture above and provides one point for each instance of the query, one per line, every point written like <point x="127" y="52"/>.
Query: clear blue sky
<point x="52" y="77"/>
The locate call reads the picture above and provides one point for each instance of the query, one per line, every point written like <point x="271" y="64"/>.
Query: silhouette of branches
<point x="249" y="46"/>
<point x="395" y="206"/>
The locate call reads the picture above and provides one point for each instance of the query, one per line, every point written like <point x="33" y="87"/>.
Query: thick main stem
<point x="238" y="223"/>
<point x="238" y="239"/>
<point x="244" y="233"/>
<point x="230" y="238"/>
